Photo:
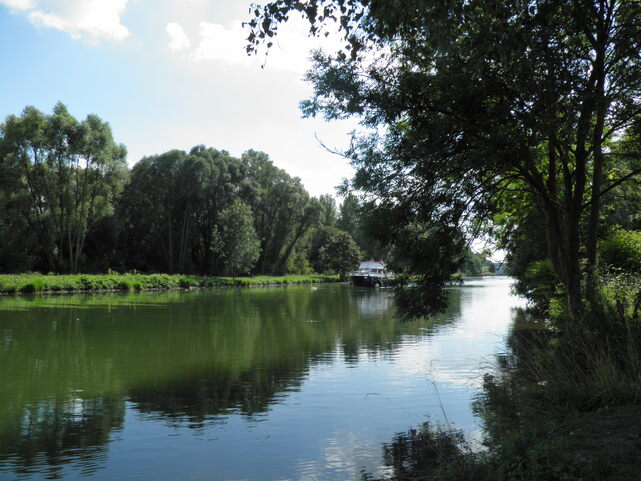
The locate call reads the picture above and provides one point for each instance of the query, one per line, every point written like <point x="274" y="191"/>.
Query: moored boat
<point x="371" y="274"/>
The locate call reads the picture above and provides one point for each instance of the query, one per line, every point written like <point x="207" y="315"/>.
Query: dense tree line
<point x="69" y="203"/>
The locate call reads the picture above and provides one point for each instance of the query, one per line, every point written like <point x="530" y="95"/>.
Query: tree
<point x="18" y="247"/>
<point x="283" y="210"/>
<point x="173" y="204"/>
<point x="340" y="254"/>
<point x="472" y="100"/>
<point x="219" y="179"/>
<point x="329" y="215"/>
<point x="348" y="215"/>
<point x="73" y="173"/>
<point x="240" y="244"/>
<point x="159" y="205"/>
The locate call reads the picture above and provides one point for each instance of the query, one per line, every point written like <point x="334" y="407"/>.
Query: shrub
<point x="33" y="286"/>
<point x="622" y="250"/>
<point x="125" y="285"/>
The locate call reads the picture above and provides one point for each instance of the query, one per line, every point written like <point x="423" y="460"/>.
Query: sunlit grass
<point x="39" y="283"/>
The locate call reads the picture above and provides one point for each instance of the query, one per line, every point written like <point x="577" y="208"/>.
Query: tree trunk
<point x="597" y="174"/>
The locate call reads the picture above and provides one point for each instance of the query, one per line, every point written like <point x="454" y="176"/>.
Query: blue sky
<point x="169" y="74"/>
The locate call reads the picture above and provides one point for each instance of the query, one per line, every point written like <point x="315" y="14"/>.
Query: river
<point x="296" y="383"/>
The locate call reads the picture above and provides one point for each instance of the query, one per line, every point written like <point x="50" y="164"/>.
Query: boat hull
<point x="368" y="281"/>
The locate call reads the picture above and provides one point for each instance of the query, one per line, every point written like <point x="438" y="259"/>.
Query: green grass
<point x="38" y="283"/>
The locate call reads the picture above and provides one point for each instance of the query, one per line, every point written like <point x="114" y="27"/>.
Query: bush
<point x="622" y="250"/>
<point x="125" y="285"/>
<point x="33" y="286"/>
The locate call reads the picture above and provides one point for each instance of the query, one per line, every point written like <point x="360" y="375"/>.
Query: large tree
<point x="283" y="211"/>
<point x="72" y="170"/>
<point x="173" y="204"/>
<point x="470" y="100"/>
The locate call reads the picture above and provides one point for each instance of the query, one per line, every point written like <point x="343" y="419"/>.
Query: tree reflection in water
<point x="70" y="364"/>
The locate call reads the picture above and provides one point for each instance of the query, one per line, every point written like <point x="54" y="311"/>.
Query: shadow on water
<point x="523" y="436"/>
<point x="71" y="364"/>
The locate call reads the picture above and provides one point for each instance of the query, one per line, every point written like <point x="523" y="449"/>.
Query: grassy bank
<point x="39" y="283"/>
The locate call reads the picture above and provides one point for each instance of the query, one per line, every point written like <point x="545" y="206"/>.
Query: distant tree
<point x="73" y="173"/>
<point x="472" y="263"/>
<point x="348" y="215"/>
<point x="173" y="204"/>
<point x="159" y="206"/>
<point x="329" y="215"/>
<point x="283" y="210"/>
<point x="19" y="247"/>
<point x="319" y="239"/>
<point x="340" y="254"/>
<point x="219" y="179"/>
<point x="240" y="243"/>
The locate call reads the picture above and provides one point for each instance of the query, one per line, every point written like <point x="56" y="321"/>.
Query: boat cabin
<point x="371" y="274"/>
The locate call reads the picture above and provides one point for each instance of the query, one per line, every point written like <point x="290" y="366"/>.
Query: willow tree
<point x="73" y="171"/>
<point x="283" y="211"/>
<point x="467" y="100"/>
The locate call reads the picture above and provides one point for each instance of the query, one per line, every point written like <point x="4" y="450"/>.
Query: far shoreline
<point x="34" y="283"/>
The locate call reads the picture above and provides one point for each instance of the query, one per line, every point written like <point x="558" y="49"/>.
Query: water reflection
<point x="72" y="366"/>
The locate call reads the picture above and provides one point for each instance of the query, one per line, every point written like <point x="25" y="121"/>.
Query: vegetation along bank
<point x="37" y="283"/>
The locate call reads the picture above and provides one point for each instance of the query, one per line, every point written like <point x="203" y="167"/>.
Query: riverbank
<point x="50" y="283"/>
<point x="558" y="405"/>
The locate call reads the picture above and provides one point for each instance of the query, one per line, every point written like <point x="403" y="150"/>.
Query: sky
<point x="171" y="74"/>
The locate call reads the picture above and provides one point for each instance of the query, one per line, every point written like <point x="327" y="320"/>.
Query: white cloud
<point x="18" y="4"/>
<point x="219" y="43"/>
<point x="290" y="51"/>
<point x="89" y="20"/>
<point x="179" y="40"/>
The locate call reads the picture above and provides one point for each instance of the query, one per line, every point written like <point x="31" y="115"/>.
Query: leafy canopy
<point x="466" y="103"/>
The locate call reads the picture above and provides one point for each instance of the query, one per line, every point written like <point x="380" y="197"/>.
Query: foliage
<point x="340" y="254"/>
<point x="71" y="172"/>
<point x="538" y="284"/>
<point x="471" y="101"/>
<point x="240" y="244"/>
<point x="69" y="203"/>
<point x="362" y="224"/>
<point x="433" y="252"/>
<point x="37" y="283"/>
<point x="621" y="205"/>
<point x="172" y="208"/>
<point x="432" y="453"/>
<point x="299" y="264"/>
<point x="318" y="239"/>
<point x="348" y="215"/>
<point x="475" y="264"/>
<point x="545" y="389"/>
<point x="329" y="214"/>
<point x="622" y="250"/>
<point x="283" y="211"/>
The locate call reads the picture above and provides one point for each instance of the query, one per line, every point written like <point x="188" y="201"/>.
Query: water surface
<point x="295" y="383"/>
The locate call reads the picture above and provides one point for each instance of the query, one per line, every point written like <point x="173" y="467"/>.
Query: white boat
<point x="371" y="274"/>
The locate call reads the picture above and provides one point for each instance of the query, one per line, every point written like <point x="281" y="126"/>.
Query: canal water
<point x="296" y="383"/>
